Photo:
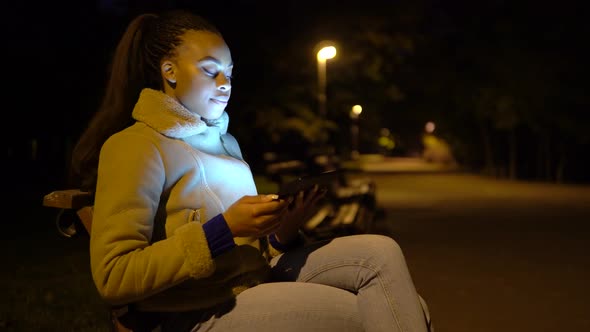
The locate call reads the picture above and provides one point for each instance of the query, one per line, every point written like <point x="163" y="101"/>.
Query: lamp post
<point x="326" y="51"/>
<point x="354" y="131"/>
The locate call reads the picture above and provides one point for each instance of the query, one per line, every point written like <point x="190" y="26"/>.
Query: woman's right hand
<point x="255" y="216"/>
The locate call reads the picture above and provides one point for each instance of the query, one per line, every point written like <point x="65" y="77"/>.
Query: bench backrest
<point x="74" y="200"/>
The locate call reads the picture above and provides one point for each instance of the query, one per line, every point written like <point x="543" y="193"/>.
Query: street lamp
<point x="354" y="131"/>
<point x="326" y="51"/>
<point x="429" y="127"/>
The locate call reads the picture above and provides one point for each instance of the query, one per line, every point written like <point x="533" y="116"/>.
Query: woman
<point x="179" y="232"/>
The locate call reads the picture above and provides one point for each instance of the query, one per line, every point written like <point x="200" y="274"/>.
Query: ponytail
<point x="127" y="78"/>
<point x="135" y="65"/>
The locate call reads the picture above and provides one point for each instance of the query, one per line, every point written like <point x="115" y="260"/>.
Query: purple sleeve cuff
<point x="272" y="239"/>
<point x="219" y="236"/>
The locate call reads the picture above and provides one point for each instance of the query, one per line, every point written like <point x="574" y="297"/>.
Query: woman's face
<point x="200" y="74"/>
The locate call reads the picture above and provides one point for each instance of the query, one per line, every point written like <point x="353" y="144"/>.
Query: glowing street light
<point x="356" y="111"/>
<point x="429" y="127"/>
<point x="326" y="51"/>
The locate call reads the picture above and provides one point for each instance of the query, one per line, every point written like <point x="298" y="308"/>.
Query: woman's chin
<point x="213" y="114"/>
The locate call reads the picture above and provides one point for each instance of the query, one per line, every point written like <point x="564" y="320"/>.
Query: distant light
<point x="387" y="142"/>
<point x="326" y="53"/>
<point x="429" y="127"/>
<point x="357" y="109"/>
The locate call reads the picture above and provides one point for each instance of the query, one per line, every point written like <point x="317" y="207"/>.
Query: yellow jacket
<point x="158" y="181"/>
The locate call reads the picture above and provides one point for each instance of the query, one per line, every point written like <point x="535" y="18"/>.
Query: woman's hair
<point x="135" y="65"/>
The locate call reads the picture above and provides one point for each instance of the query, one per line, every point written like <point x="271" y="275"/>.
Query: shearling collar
<point x="167" y="116"/>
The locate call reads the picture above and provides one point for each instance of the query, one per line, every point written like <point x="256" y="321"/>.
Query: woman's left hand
<point x="298" y="211"/>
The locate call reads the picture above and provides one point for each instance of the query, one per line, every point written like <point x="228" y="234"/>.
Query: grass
<point x="48" y="286"/>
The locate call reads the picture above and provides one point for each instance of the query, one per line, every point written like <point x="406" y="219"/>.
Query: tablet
<point x="304" y="183"/>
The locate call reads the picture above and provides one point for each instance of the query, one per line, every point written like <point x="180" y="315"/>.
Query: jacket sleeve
<point x="125" y="265"/>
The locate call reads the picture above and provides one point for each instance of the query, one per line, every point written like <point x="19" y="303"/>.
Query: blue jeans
<point x="352" y="283"/>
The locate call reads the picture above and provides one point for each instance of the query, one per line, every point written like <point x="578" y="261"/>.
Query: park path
<point x="492" y="255"/>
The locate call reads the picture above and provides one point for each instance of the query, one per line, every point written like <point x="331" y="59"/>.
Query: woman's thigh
<point x="371" y="266"/>
<point x="288" y="306"/>
<point x="342" y="262"/>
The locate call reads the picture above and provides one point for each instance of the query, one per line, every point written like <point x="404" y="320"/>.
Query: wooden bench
<point x="80" y="202"/>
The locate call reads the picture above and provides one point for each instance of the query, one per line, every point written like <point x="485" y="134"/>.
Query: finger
<point x="307" y="197"/>
<point x="313" y="198"/>
<point x="301" y="196"/>
<point x="273" y="207"/>
<point x="296" y="201"/>
<point x="312" y="193"/>
<point x="268" y="224"/>
<point x="320" y="194"/>
<point x="272" y="229"/>
<point x="267" y="198"/>
<point x="252" y="199"/>
<point x="316" y="199"/>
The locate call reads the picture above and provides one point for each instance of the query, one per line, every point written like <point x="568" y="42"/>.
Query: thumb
<point x="268" y="198"/>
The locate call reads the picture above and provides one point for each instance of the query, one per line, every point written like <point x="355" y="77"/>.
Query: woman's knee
<point x="378" y="243"/>
<point x="377" y="248"/>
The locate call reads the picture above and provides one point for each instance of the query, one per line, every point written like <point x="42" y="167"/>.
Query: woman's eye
<point x="214" y="72"/>
<point x="211" y="73"/>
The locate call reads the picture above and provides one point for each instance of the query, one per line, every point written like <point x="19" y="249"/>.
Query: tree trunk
<point x="560" y="167"/>
<point x="547" y="155"/>
<point x="540" y="157"/>
<point x="512" y="154"/>
<point x="489" y="167"/>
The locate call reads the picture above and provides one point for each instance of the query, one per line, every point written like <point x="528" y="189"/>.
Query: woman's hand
<point x="298" y="211"/>
<point x="255" y="216"/>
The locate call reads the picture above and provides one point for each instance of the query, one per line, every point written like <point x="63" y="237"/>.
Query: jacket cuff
<point x="219" y="237"/>
<point x="196" y="251"/>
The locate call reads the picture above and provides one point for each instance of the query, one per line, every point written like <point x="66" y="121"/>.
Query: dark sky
<point x="56" y="51"/>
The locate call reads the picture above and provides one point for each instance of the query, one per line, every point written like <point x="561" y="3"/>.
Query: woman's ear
<point x="168" y="69"/>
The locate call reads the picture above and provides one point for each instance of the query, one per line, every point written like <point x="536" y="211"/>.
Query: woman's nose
<point x="223" y="82"/>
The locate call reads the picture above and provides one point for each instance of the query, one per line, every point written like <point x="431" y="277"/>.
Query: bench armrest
<point x="68" y="199"/>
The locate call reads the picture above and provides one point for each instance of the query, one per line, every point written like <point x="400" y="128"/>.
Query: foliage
<point x="502" y="84"/>
<point x="298" y="118"/>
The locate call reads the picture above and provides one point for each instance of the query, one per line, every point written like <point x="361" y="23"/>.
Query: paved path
<point x="379" y="164"/>
<point x="490" y="255"/>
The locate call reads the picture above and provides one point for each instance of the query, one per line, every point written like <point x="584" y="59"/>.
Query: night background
<point x="505" y="82"/>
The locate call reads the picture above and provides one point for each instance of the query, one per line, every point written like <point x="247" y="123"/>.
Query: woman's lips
<point x="220" y="102"/>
